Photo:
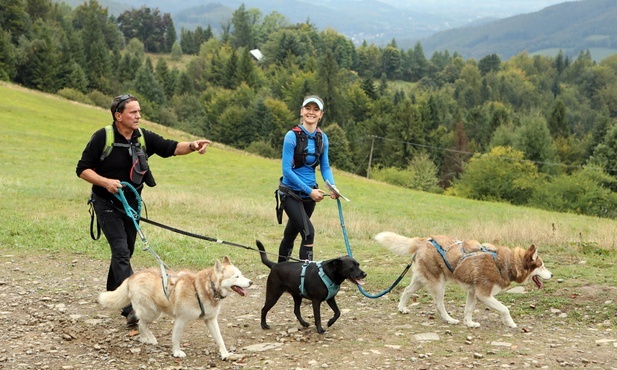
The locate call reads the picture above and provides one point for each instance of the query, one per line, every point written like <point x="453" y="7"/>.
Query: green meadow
<point x="229" y="195"/>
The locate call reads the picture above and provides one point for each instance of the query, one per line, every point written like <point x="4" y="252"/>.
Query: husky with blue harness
<point x="317" y="281"/>
<point x="482" y="269"/>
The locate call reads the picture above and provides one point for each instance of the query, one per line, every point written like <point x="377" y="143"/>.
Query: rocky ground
<point x="50" y="320"/>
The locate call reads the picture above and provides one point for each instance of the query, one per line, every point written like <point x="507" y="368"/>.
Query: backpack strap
<point x="300" y="152"/>
<point x="109" y="141"/>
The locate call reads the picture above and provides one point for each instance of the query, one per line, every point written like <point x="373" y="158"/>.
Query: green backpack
<point x="109" y="142"/>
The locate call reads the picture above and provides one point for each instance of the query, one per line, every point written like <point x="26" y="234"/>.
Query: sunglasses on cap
<point x="121" y="100"/>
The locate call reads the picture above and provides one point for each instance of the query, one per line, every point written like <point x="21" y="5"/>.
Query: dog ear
<point x="217" y="266"/>
<point x="533" y="251"/>
<point x="226" y="260"/>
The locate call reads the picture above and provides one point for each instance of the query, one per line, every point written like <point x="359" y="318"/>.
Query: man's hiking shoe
<point x="131" y="320"/>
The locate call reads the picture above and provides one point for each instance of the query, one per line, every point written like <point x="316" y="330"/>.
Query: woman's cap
<point x="313" y="99"/>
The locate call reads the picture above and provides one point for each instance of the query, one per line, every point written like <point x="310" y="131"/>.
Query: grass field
<point x="228" y="194"/>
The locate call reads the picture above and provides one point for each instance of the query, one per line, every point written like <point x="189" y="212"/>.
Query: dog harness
<point x="464" y="254"/>
<point x="332" y="288"/>
<point x="482" y="249"/>
<point x="442" y="252"/>
<point x="201" y="305"/>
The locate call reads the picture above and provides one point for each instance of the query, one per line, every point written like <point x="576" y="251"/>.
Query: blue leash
<point x="134" y="214"/>
<point x="398" y="280"/>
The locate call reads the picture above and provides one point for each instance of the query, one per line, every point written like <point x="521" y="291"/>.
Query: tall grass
<point x="229" y="194"/>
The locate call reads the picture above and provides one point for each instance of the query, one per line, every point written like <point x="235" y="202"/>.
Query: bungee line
<point x="340" y="212"/>
<point x="135" y="216"/>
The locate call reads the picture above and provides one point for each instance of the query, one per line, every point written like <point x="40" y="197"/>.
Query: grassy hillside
<point x="228" y="194"/>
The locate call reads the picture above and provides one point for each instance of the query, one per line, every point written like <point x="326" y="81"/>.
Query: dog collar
<point x="217" y="294"/>
<point x="332" y="288"/>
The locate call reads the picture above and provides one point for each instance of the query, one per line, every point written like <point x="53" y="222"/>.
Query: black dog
<point x="302" y="279"/>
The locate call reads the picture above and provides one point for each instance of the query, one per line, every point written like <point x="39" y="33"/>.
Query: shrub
<point x="501" y="175"/>
<point x="583" y="192"/>
<point x="99" y="99"/>
<point x="424" y="174"/>
<point x="421" y="174"/>
<point x="74" y="95"/>
<point x="392" y="176"/>
<point x="262" y="148"/>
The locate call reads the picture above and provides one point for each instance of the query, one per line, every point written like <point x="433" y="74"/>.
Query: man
<point x="106" y="162"/>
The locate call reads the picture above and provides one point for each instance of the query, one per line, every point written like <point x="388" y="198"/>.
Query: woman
<point x="305" y="147"/>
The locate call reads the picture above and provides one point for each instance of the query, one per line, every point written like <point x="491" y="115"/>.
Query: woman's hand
<point x="317" y="195"/>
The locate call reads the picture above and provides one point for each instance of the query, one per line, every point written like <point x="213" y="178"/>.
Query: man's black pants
<point x="121" y="233"/>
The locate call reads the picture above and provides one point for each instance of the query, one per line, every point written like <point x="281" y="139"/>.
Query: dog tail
<point x="398" y="244"/>
<point x="116" y="299"/>
<point x="264" y="257"/>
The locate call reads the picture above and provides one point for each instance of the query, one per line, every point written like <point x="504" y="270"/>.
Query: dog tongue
<point x="239" y="290"/>
<point x="536" y="279"/>
<point x="357" y="281"/>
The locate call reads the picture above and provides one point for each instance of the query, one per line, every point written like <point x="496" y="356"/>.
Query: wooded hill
<point x="572" y="27"/>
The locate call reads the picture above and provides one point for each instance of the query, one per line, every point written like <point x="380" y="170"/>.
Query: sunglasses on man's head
<point x="121" y="100"/>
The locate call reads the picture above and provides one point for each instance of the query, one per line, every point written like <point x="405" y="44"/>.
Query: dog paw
<point x="179" y="354"/>
<point x="148" y="340"/>
<point x="511" y="324"/>
<point x="321" y="331"/>
<point x="233" y="357"/>
<point x="403" y="310"/>
<point x="265" y="326"/>
<point x="472" y="324"/>
<point x="452" y="321"/>
<point x="305" y="324"/>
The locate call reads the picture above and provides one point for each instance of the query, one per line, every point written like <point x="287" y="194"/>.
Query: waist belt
<point x="294" y="194"/>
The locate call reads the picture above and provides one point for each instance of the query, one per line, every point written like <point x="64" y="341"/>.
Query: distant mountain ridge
<point x="370" y="20"/>
<point x="571" y="27"/>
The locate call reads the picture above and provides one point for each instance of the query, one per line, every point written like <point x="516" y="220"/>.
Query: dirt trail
<point x="50" y="320"/>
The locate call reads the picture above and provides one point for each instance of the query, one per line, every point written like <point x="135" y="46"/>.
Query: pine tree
<point x="368" y="86"/>
<point x="557" y="123"/>
<point x="230" y="77"/>
<point x="246" y="69"/>
<point x="146" y="84"/>
<point x="242" y="35"/>
<point x="176" y="52"/>
<point x="391" y="58"/>
<point x="183" y="85"/>
<point x="187" y="42"/>
<point x="161" y="72"/>
<point x="171" y="37"/>
<point x="8" y="57"/>
<point x="419" y="64"/>
<point x="329" y="83"/>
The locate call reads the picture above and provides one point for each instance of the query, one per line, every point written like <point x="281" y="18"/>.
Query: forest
<point x="531" y="130"/>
